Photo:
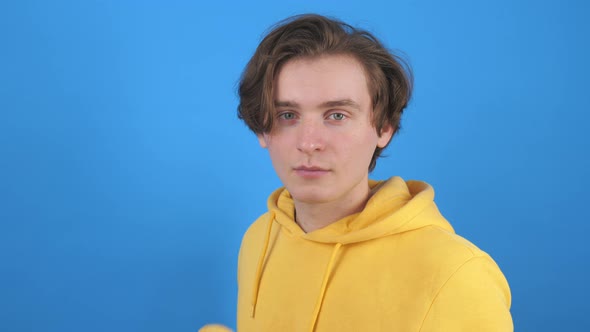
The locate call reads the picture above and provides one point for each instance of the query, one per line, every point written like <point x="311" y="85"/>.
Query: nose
<point x="311" y="136"/>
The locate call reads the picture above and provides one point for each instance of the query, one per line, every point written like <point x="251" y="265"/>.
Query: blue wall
<point x="126" y="180"/>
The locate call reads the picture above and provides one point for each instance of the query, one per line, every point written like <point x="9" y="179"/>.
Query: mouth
<point x="310" y="172"/>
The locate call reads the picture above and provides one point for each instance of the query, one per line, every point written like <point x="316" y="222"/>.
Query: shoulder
<point x="252" y="246"/>
<point x="444" y="245"/>
<point x="470" y="291"/>
<point x="253" y="238"/>
<point x="436" y="249"/>
<point x="257" y="230"/>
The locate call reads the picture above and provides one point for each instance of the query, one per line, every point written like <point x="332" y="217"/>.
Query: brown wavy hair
<point x="310" y="35"/>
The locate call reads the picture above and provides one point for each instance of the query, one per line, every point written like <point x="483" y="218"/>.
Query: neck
<point x="313" y="216"/>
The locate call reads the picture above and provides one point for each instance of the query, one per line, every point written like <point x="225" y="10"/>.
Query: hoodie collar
<point x="392" y="209"/>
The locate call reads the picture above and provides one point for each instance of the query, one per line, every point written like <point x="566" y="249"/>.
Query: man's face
<point x="323" y="139"/>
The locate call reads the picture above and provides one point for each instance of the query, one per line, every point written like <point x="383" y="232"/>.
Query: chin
<point x="309" y="195"/>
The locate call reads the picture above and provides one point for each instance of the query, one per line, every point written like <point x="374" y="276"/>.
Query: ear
<point x="263" y="140"/>
<point x="385" y="137"/>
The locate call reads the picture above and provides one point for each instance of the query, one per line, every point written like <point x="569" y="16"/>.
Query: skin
<point x="323" y="139"/>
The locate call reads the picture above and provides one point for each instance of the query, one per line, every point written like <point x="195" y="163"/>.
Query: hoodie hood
<point x="396" y="206"/>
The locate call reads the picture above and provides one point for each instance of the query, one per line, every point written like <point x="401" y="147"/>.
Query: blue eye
<point x="337" y="116"/>
<point x="287" y="116"/>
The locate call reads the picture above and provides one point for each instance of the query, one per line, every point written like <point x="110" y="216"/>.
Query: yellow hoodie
<point x="395" y="266"/>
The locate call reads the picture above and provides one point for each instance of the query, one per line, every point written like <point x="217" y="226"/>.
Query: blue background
<point x="126" y="180"/>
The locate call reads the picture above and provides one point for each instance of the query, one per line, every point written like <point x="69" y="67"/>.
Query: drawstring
<point x="260" y="263"/>
<point x="318" y="305"/>
<point x="320" y="300"/>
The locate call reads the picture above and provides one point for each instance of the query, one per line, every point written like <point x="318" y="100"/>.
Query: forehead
<point x="320" y="79"/>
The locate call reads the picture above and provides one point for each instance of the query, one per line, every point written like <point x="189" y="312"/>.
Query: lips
<point x="309" y="168"/>
<point x="310" y="171"/>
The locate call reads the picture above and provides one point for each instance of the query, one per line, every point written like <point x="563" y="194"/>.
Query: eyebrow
<point x="331" y="103"/>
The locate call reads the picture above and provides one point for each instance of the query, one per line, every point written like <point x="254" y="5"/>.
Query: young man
<point x="337" y="251"/>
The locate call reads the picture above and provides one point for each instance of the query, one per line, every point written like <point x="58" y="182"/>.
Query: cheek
<point x="278" y="153"/>
<point x="360" y="148"/>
